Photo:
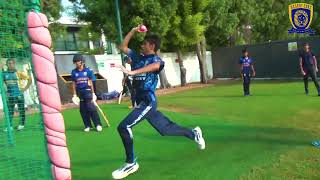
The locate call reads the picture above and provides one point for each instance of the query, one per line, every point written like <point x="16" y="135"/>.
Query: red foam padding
<point x="59" y="155"/>
<point x="45" y="69"/>
<point x="40" y="35"/>
<point x="49" y="95"/>
<point x="42" y="51"/>
<point x="54" y="121"/>
<point x="61" y="173"/>
<point x="60" y="135"/>
<point x="37" y="20"/>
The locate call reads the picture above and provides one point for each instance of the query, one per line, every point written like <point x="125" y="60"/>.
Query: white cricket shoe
<point x="99" y="128"/>
<point x="125" y="170"/>
<point x="6" y="129"/>
<point x="87" y="129"/>
<point x="20" y="127"/>
<point x="198" y="138"/>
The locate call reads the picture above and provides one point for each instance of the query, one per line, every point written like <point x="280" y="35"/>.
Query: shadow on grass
<point x="239" y="96"/>
<point x="247" y="134"/>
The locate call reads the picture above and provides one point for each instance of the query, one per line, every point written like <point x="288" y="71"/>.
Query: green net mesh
<point x="23" y="152"/>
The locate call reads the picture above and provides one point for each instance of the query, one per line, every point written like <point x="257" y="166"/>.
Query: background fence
<point x="272" y="60"/>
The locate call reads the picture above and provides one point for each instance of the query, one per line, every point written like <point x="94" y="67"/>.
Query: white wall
<point x="114" y="76"/>
<point x="191" y="63"/>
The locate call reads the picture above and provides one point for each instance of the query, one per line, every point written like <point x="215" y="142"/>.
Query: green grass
<point x="265" y="136"/>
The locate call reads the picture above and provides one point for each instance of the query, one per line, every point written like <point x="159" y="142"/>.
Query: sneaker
<point x="99" y="128"/>
<point x="20" y="127"/>
<point x="198" y="138"/>
<point x="125" y="170"/>
<point x="87" y="129"/>
<point x="316" y="144"/>
<point x="6" y="129"/>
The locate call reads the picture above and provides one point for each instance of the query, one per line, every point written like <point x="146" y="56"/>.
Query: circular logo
<point x="301" y="19"/>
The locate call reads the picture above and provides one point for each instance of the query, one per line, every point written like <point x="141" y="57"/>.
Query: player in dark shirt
<point x="308" y="67"/>
<point x="246" y="70"/>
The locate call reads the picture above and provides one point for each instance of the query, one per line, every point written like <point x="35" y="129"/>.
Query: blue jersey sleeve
<point x="91" y="75"/>
<point x="157" y="59"/>
<point x="251" y="61"/>
<point x="73" y="77"/>
<point x="133" y="56"/>
<point x="241" y="60"/>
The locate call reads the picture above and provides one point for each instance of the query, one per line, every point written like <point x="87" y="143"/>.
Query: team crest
<point x="300" y="15"/>
<point x="85" y="73"/>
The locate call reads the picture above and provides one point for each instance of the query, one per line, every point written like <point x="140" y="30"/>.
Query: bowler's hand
<point x="124" y="70"/>
<point x="135" y="29"/>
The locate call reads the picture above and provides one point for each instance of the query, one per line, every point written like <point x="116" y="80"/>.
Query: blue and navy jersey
<point x="307" y="59"/>
<point x="94" y="78"/>
<point x="136" y="60"/>
<point x="246" y="63"/>
<point x="81" y="78"/>
<point x="145" y="84"/>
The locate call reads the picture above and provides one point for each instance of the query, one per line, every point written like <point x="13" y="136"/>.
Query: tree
<point x="53" y="9"/>
<point x="271" y="21"/>
<point x="201" y="6"/>
<point x="187" y="30"/>
<point x="155" y="14"/>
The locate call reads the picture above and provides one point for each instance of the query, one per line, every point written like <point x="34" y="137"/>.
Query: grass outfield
<point x="265" y="136"/>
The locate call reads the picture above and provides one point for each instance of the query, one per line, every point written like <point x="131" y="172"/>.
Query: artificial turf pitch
<point x="264" y="136"/>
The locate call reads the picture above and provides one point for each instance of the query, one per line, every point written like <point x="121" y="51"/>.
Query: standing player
<point x="146" y="77"/>
<point x="82" y="86"/>
<point x="246" y="70"/>
<point x="308" y="67"/>
<point x="13" y="80"/>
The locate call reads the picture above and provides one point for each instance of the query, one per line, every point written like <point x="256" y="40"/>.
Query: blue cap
<point x="78" y="57"/>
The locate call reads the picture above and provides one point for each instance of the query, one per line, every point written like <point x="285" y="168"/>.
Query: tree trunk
<point x="183" y="70"/>
<point x="201" y="53"/>
<point x="163" y="80"/>
<point x="212" y="62"/>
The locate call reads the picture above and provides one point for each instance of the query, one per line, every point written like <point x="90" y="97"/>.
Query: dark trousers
<point x="246" y="83"/>
<point x="19" y="100"/>
<point x="88" y="110"/>
<point x="157" y="120"/>
<point x="312" y="73"/>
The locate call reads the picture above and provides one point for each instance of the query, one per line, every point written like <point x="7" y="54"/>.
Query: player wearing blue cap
<point x="82" y="87"/>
